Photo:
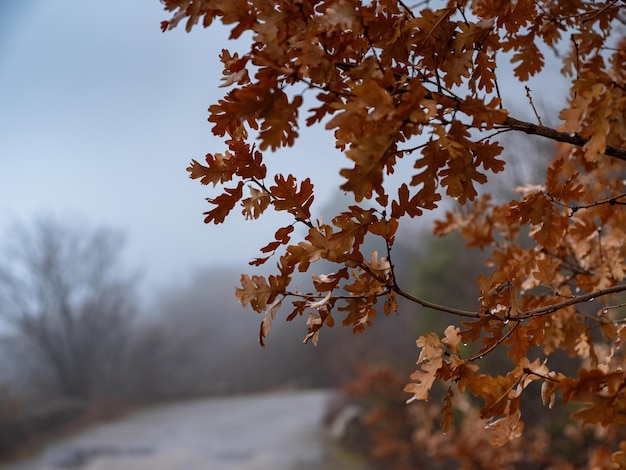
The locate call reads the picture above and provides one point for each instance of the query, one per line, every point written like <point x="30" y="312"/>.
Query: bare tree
<point x="62" y="289"/>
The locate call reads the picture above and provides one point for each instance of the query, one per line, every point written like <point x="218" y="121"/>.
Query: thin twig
<point x="494" y="345"/>
<point x="532" y="105"/>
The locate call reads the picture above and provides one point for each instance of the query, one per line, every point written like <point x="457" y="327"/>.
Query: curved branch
<point x="550" y="133"/>
<point x="441" y="308"/>
<point x="537" y="312"/>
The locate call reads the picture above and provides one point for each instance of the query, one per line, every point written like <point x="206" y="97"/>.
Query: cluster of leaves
<point x="397" y="437"/>
<point x="395" y="82"/>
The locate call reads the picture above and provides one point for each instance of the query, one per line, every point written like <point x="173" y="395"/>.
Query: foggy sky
<point x="100" y="114"/>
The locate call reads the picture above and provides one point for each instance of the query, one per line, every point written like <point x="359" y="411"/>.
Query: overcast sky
<point x="100" y="114"/>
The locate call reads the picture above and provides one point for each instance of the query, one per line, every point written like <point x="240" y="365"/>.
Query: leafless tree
<point x="62" y="289"/>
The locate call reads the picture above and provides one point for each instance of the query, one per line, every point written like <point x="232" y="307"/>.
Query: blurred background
<point x="113" y="292"/>
<point x="114" y="295"/>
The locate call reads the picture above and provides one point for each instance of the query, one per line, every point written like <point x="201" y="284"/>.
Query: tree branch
<point x="441" y="308"/>
<point x="536" y="312"/>
<point x="550" y="133"/>
<point x="547" y="309"/>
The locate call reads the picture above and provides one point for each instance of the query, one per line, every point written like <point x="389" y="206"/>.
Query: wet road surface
<point x="273" y="431"/>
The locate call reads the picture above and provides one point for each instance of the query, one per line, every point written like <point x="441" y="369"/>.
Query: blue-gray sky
<point x="100" y="114"/>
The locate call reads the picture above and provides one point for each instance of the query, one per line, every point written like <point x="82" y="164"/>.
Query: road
<point x="273" y="431"/>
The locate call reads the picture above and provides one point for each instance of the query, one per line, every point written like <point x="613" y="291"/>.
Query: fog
<point x="100" y="115"/>
<point x="80" y="347"/>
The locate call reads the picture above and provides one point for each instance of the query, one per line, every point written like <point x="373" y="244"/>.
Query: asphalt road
<point x="273" y="431"/>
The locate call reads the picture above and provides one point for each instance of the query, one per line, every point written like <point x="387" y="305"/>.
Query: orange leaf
<point x="447" y="411"/>
<point x="258" y="293"/>
<point x="220" y="169"/>
<point x="404" y="205"/>
<point x="430" y="362"/>
<point x="504" y="430"/>
<point x="287" y="197"/>
<point x="225" y="203"/>
<point x="452" y="338"/>
<point x="256" y="204"/>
